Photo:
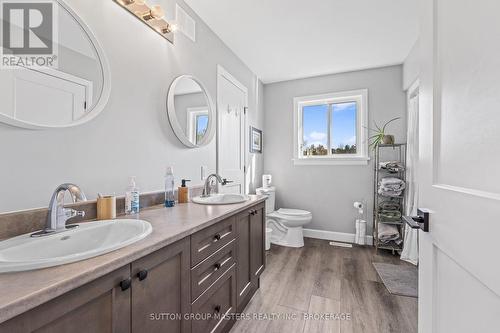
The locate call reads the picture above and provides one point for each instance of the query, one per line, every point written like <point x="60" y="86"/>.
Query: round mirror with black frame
<point x="191" y="111"/>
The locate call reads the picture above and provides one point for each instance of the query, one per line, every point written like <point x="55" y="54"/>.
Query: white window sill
<point x="331" y="161"/>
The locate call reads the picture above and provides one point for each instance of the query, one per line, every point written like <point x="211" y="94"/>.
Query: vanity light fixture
<point x="151" y="16"/>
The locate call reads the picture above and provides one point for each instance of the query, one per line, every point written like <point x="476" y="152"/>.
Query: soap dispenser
<point x="183" y="191"/>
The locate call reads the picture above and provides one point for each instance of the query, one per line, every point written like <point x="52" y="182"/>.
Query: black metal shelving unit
<point x="398" y="155"/>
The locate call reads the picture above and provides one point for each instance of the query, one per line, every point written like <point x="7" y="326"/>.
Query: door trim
<point x="223" y="73"/>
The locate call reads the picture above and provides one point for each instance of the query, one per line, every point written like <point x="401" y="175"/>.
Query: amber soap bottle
<point x="183" y="191"/>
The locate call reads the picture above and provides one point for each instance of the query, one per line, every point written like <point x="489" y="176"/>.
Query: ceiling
<point x="287" y="39"/>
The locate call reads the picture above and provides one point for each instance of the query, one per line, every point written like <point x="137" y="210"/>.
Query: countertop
<point x="22" y="291"/>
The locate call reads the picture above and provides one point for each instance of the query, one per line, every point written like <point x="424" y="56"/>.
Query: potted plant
<point x="380" y="137"/>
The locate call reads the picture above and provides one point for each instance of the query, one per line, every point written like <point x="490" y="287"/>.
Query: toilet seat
<point x="290" y="214"/>
<point x="293" y="212"/>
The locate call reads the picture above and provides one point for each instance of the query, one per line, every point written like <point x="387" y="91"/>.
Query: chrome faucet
<point x="207" y="188"/>
<point x="58" y="215"/>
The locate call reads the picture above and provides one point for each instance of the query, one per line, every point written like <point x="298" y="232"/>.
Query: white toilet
<point x="286" y="223"/>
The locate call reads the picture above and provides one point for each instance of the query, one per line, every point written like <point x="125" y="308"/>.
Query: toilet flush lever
<point x="421" y="221"/>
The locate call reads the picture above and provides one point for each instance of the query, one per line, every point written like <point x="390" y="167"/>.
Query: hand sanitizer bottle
<point x="169" y="188"/>
<point x="132" y="198"/>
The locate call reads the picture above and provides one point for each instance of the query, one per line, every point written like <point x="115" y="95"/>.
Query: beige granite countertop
<point x="22" y="291"/>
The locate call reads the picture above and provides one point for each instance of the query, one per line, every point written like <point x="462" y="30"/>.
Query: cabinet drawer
<point x="209" y="270"/>
<point x="215" y="303"/>
<point x="207" y="241"/>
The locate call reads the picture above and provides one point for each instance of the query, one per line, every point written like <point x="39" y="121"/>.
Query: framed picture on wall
<point x="255" y="140"/>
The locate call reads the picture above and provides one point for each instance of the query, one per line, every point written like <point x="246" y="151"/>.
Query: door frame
<point x="223" y="73"/>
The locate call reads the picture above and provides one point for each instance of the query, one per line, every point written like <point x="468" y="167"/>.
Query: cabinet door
<point x="243" y="273"/>
<point x="160" y="290"/>
<point x="257" y="245"/>
<point x="250" y="252"/>
<point x="99" y="306"/>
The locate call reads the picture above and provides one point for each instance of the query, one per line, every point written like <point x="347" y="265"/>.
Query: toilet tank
<point x="271" y="197"/>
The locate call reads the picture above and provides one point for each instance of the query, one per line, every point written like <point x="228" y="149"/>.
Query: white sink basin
<point x="221" y="199"/>
<point x="89" y="240"/>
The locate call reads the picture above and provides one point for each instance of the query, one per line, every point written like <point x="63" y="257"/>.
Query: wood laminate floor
<point x="323" y="279"/>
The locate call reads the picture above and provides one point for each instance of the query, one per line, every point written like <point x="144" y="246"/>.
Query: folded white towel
<point x="387" y="232"/>
<point x="393" y="186"/>
<point x="391" y="181"/>
<point x="390" y="192"/>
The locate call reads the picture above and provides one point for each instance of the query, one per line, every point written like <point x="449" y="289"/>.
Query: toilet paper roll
<point x="266" y="181"/>
<point x="359" y="206"/>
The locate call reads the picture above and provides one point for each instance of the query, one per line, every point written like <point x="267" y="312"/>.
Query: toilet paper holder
<point x="421" y="221"/>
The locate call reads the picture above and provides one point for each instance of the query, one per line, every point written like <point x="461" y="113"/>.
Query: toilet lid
<point x="293" y="212"/>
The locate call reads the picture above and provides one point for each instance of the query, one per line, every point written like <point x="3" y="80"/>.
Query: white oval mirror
<point x="190" y="111"/>
<point x="67" y="83"/>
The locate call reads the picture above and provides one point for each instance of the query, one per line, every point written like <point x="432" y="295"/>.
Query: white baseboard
<point x="334" y="236"/>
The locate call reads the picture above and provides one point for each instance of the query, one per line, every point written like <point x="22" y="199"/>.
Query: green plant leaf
<point x="387" y="123"/>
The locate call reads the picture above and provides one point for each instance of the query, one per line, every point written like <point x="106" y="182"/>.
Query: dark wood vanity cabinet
<point x="250" y="252"/>
<point x="99" y="306"/>
<point x="149" y="295"/>
<point x="213" y="272"/>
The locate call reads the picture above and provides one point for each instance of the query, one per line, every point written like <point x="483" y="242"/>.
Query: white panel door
<point x="231" y="104"/>
<point x="44" y="96"/>
<point x="459" y="170"/>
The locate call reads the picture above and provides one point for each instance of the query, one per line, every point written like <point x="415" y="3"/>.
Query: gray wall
<point x="132" y="135"/>
<point x="327" y="191"/>
<point x="411" y="67"/>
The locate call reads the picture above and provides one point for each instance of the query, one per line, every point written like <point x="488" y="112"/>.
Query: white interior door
<point x="231" y="103"/>
<point x="44" y="96"/>
<point x="459" y="170"/>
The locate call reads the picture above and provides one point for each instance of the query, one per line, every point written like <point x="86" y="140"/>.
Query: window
<point x="197" y="124"/>
<point x="331" y="128"/>
<point x="201" y="126"/>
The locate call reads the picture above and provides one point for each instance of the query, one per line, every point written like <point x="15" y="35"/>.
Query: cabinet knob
<point x="217" y="237"/>
<point x="217" y="266"/>
<point x="125" y="284"/>
<point x="142" y="274"/>
<point x="217" y="308"/>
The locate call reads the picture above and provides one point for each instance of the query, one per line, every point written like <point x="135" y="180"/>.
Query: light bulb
<point x="157" y="12"/>
<point x="174" y="27"/>
<point x="166" y="30"/>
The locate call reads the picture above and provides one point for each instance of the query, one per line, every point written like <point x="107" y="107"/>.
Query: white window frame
<point x="361" y="157"/>
<point x="193" y="114"/>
